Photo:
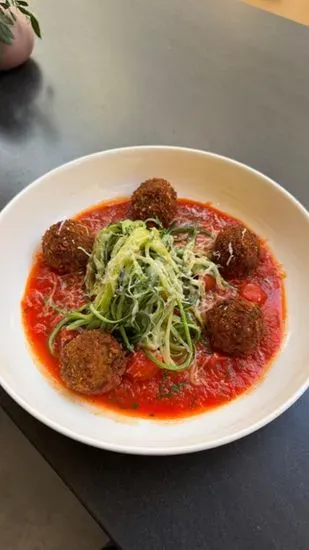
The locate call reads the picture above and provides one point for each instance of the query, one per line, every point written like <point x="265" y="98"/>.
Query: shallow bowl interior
<point x="232" y="187"/>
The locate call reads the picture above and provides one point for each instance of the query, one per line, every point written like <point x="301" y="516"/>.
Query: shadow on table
<point x="20" y="112"/>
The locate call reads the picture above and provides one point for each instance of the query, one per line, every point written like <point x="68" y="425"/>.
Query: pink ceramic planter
<point x="20" y="50"/>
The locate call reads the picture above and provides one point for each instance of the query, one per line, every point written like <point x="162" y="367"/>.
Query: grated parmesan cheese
<point x="231" y="252"/>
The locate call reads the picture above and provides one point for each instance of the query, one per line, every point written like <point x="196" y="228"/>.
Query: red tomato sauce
<point x="214" y="379"/>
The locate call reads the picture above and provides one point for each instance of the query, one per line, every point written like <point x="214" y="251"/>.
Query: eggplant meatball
<point x="235" y="326"/>
<point x="236" y="251"/>
<point x="66" y="245"/>
<point x="155" y="198"/>
<point x="92" y="363"/>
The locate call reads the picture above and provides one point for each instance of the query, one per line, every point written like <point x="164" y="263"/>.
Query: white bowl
<point x="262" y="204"/>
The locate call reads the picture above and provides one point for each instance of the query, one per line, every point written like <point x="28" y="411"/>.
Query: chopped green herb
<point x="173" y="390"/>
<point x="162" y="388"/>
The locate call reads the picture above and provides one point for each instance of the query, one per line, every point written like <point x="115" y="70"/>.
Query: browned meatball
<point x="236" y="251"/>
<point x="155" y="198"/>
<point x="235" y="326"/>
<point x="65" y="246"/>
<point x="92" y="363"/>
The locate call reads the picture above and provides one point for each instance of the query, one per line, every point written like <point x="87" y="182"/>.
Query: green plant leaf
<point x="13" y="16"/>
<point x="34" y="22"/>
<point x="6" y="35"/>
<point x="22" y="3"/>
<point x="35" y="25"/>
<point x="7" y="17"/>
<point x="24" y="11"/>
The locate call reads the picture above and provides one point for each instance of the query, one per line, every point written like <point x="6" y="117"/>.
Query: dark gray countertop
<point x="219" y="76"/>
